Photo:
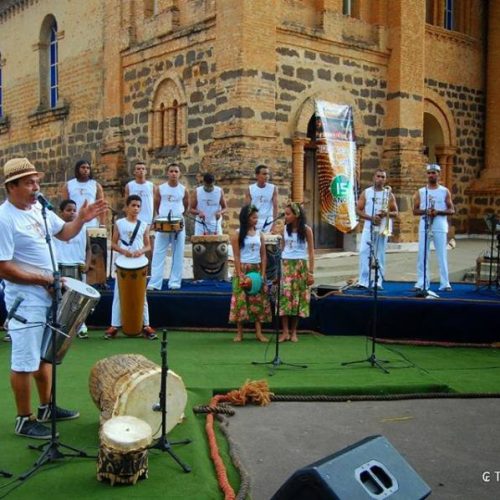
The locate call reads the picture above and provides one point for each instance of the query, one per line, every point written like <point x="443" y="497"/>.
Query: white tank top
<point x="171" y="199"/>
<point x="146" y="192"/>
<point x="209" y="203"/>
<point x="293" y="248"/>
<point x="250" y="253"/>
<point x="126" y="229"/>
<point x="72" y="251"/>
<point x="262" y="198"/>
<point x="81" y="191"/>
<point x="434" y="198"/>
<point x="379" y="202"/>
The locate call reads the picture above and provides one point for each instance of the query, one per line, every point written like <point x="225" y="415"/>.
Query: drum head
<point x="81" y="287"/>
<point x="126" y="433"/>
<point x="131" y="262"/>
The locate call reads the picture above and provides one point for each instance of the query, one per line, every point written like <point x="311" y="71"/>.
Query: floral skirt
<point x="246" y="307"/>
<point x="295" y="294"/>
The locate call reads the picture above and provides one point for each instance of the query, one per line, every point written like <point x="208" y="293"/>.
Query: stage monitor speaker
<point x="369" y="469"/>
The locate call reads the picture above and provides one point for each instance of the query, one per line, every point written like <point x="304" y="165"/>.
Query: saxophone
<point x="385" y="227"/>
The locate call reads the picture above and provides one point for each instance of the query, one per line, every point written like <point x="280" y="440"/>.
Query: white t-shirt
<point x="73" y="251"/>
<point x="434" y="198"/>
<point x="80" y="192"/>
<point x="262" y="198"/>
<point x="209" y="204"/>
<point x="126" y="230"/>
<point x="23" y="242"/>
<point x="172" y="200"/>
<point x="294" y="249"/>
<point x="146" y="192"/>
<point x="250" y="253"/>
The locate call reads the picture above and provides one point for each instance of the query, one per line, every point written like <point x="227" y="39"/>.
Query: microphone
<point x="43" y="201"/>
<point x="267" y="223"/>
<point x="12" y="313"/>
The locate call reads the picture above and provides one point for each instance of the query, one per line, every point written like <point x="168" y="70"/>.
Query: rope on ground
<point x="381" y="397"/>
<point x="220" y="409"/>
<point x="255" y="392"/>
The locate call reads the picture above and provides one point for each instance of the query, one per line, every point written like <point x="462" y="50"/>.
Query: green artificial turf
<point x="209" y="362"/>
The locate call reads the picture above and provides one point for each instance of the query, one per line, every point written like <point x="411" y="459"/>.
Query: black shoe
<point x="29" y="427"/>
<point x="61" y="414"/>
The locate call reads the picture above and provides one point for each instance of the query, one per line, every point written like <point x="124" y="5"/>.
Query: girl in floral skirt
<point x="249" y="255"/>
<point x="297" y="270"/>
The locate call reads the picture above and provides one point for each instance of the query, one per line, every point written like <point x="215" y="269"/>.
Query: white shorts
<point x="27" y="339"/>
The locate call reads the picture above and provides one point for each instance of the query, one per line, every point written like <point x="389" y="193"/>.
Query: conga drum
<point x="210" y="256"/>
<point x="129" y="384"/>
<point x="98" y="237"/>
<point x="123" y="451"/>
<point x="131" y="273"/>
<point x="273" y="252"/>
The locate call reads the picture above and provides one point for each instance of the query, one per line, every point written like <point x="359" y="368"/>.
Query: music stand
<point x="163" y="444"/>
<point x="51" y="450"/>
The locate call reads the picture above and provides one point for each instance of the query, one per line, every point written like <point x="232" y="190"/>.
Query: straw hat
<point x="17" y="168"/>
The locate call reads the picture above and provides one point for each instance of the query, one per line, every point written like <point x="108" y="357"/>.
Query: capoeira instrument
<point x="168" y="224"/>
<point x="98" y="237"/>
<point x="123" y="451"/>
<point x="210" y="256"/>
<point x="78" y="301"/>
<point x="129" y="384"/>
<point x="131" y="273"/>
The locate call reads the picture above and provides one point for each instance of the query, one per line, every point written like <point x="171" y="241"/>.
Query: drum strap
<point x="134" y="234"/>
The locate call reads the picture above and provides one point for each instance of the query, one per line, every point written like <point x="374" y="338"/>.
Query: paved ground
<point x="454" y="445"/>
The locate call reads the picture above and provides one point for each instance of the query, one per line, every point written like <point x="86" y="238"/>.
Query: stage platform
<point x="465" y="315"/>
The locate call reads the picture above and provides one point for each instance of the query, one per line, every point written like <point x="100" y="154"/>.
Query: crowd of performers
<point x="26" y="270"/>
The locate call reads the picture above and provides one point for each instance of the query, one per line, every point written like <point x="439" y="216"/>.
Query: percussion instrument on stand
<point x="72" y="270"/>
<point x="131" y="274"/>
<point x="273" y="252"/>
<point x="210" y="252"/>
<point x="168" y="224"/>
<point x="129" y="384"/>
<point x="98" y="237"/>
<point x="78" y="301"/>
<point x="123" y="451"/>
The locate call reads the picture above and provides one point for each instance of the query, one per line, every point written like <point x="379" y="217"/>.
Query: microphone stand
<point x="372" y="359"/>
<point x="275" y="305"/>
<point x="370" y="254"/>
<point x="266" y="223"/>
<point x="51" y="449"/>
<point x="113" y="217"/>
<point x="163" y="444"/>
<point x="425" y="292"/>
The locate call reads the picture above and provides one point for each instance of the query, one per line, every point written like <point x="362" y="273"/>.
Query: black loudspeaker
<point x="369" y="469"/>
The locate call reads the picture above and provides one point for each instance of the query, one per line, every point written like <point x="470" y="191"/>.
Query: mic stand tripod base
<point x="163" y="444"/>
<point x="276" y="363"/>
<point x="372" y="359"/>
<point x="4" y="473"/>
<point x="427" y="294"/>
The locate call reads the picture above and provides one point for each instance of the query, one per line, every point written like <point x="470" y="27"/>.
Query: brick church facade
<point x="225" y="85"/>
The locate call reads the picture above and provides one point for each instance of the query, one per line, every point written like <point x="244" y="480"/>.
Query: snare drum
<point x="123" y="451"/>
<point x="131" y="273"/>
<point x="272" y="242"/>
<point x="78" y="301"/>
<point x="168" y="224"/>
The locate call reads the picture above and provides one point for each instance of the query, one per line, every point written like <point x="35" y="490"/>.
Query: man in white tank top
<point x="171" y="201"/>
<point x="145" y="189"/>
<point x="84" y="188"/>
<point x="433" y="205"/>
<point x="264" y="196"/>
<point x="208" y="205"/>
<point x="376" y="206"/>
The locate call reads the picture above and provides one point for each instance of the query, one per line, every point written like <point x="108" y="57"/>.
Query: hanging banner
<point x="336" y="161"/>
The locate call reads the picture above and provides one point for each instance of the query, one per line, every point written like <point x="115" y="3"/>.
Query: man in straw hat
<point x="26" y="268"/>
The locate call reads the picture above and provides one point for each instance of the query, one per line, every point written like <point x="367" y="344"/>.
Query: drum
<point x="129" y="384"/>
<point x="78" y="301"/>
<point x="131" y="273"/>
<point x="98" y="237"/>
<point x="123" y="451"/>
<point x="273" y="252"/>
<point x="71" y="271"/>
<point x="210" y="256"/>
<point x="168" y="224"/>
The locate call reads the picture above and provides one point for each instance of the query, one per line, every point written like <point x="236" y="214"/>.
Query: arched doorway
<point x="325" y="235"/>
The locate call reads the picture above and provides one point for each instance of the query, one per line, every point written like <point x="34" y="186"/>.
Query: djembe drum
<point x="210" y="256"/>
<point x="123" y="451"/>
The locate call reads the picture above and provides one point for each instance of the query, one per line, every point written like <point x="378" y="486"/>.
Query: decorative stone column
<point x="298" y="169"/>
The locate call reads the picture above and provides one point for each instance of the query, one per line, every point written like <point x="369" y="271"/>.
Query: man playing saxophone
<point x="377" y="207"/>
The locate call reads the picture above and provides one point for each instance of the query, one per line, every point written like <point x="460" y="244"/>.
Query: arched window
<point x="168" y="116"/>
<point x="53" y="62"/>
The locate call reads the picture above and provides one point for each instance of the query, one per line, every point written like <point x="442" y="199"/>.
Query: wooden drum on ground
<point x="131" y="273"/>
<point x="129" y="384"/>
<point x="168" y="224"/>
<point x="273" y="252"/>
<point x="123" y="453"/>
<point x="210" y="256"/>
<point x="98" y="237"/>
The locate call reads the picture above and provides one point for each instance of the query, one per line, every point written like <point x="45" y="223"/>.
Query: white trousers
<point x="440" y="243"/>
<point x="380" y="244"/>
<point x="162" y="242"/>
<point x="116" y="313"/>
